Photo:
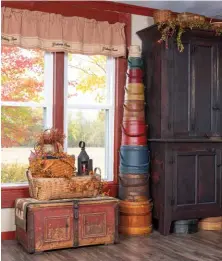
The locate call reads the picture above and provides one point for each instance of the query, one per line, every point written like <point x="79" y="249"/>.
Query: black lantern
<point x="84" y="162"/>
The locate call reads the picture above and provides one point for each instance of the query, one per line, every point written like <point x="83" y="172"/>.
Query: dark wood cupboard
<point x="184" y="113"/>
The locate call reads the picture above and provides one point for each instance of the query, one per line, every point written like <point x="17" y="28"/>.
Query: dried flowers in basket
<point x="52" y="174"/>
<point x="62" y="166"/>
<point x="185" y="21"/>
<point x="50" y="141"/>
<point x="54" y="162"/>
<point x="160" y="16"/>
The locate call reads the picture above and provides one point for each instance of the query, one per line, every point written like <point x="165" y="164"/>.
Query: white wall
<point x="139" y="22"/>
<point x="7" y="219"/>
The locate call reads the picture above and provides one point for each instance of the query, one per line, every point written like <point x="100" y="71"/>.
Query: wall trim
<point x="9" y="194"/>
<point x="84" y="5"/>
<point x="9" y="235"/>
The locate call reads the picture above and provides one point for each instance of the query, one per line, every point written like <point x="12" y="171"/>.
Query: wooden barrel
<point x="135" y="72"/>
<point x="134" y="88"/>
<point x="133" y="97"/>
<point x="135" y="156"/>
<point x="134" y="133"/>
<point x="212" y="223"/>
<point x="135" y="62"/>
<point x="135" y="217"/>
<point x="134" y="111"/>
<point x="138" y="183"/>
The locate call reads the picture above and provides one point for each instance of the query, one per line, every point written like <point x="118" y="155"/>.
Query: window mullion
<point x="23" y="104"/>
<point x="48" y="87"/>
<point x="66" y="101"/>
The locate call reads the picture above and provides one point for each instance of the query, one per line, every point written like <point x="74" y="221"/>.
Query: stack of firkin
<point x="135" y="210"/>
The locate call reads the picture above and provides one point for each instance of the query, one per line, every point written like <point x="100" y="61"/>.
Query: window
<point x="26" y="107"/>
<point x="89" y="108"/>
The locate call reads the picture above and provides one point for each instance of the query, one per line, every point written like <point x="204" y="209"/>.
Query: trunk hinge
<point x="76" y="223"/>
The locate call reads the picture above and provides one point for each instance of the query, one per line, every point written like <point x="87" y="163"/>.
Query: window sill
<point x="10" y="192"/>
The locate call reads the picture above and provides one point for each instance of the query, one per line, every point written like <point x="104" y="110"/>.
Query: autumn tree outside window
<point x="26" y="107"/>
<point x="89" y="108"/>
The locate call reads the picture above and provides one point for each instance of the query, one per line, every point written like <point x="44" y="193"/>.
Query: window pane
<point x="22" y="75"/>
<point x="87" y="77"/>
<point x="19" y="126"/>
<point x="89" y="126"/>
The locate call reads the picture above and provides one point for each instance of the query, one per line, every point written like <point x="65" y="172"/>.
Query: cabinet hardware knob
<point x="215" y="108"/>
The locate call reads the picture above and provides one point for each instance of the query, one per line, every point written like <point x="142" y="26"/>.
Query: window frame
<point x="90" y="11"/>
<point x="109" y="108"/>
<point x="46" y="105"/>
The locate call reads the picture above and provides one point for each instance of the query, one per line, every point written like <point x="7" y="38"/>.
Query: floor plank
<point x="201" y="246"/>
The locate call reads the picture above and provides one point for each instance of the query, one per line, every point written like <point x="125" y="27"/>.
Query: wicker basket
<point x="62" y="188"/>
<point x="190" y="18"/>
<point x="213" y="223"/>
<point x="216" y="25"/>
<point x="53" y="168"/>
<point x="161" y="16"/>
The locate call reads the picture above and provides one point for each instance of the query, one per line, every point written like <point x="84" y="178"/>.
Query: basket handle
<point x="125" y="185"/>
<point x="31" y="185"/>
<point x="95" y="169"/>
<point x="131" y="110"/>
<point x="131" y="135"/>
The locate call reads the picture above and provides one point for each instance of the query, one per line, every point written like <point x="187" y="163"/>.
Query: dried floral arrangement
<point x="58" y="164"/>
<point x="62" y="167"/>
<point x="50" y="137"/>
<point x="175" y="27"/>
<point x="51" y="162"/>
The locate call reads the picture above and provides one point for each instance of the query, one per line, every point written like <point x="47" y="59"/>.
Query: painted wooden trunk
<point x="64" y="225"/>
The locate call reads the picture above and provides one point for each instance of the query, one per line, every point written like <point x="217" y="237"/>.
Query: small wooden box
<point x="82" y="222"/>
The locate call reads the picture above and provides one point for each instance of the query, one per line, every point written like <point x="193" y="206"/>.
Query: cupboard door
<point x="203" y="87"/>
<point x="195" y="89"/>
<point x="179" y="122"/>
<point x="219" y="92"/>
<point x="196" y="179"/>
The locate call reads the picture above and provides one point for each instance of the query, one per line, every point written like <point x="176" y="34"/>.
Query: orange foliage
<point x="22" y="80"/>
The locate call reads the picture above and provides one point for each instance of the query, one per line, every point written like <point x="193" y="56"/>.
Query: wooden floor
<point x="202" y="246"/>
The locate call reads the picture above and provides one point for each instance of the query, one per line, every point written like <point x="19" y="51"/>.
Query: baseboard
<point x="9" y="235"/>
